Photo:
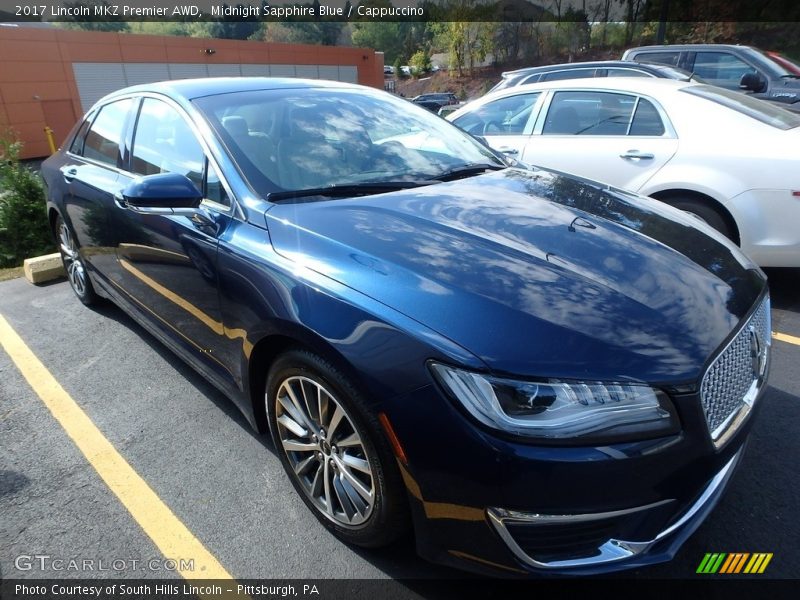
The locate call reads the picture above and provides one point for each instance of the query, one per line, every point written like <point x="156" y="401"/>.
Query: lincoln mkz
<point x="533" y="372"/>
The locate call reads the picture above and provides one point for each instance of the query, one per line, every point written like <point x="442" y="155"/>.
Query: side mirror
<point x="165" y="190"/>
<point x="753" y="82"/>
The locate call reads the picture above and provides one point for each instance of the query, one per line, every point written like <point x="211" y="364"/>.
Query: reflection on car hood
<point x="537" y="273"/>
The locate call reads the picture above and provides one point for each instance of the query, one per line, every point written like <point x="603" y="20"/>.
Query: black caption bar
<point x="399" y="10"/>
<point x="388" y="589"/>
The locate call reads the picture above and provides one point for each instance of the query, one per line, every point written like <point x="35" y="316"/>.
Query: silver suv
<point x="766" y="75"/>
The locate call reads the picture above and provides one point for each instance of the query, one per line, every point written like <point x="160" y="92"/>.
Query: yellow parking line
<point x="785" y="337"/>
<point x="168" y="533"/>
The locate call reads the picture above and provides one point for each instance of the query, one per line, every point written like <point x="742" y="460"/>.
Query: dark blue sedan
<point x="537" y="373"/>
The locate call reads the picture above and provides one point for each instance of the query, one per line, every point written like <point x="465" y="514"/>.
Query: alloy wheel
<point x="325" y="451"/>
<point x="72" y="263"/>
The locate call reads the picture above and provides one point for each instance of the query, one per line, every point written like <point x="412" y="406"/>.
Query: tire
<point x="73" y="264"/>
<point x="346" y="475"/>
<point x="710" y="215"/>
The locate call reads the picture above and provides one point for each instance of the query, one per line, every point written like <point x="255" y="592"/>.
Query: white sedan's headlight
<point x="580" y="412"/>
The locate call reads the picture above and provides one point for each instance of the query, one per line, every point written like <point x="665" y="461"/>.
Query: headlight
<point x="580" y="412"/>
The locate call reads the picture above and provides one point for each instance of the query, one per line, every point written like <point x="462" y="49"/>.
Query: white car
<point x="732" y="160"/>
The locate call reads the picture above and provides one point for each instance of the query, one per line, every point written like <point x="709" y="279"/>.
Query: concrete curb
<point x="41" y="269"/>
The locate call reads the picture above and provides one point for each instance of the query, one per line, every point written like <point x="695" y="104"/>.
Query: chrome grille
<point x="734" y="378"/>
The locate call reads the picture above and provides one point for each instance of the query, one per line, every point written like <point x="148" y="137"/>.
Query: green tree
<point x="398" y="72"/>
<point x="24" y="231"/>
<point x="393" y="38"/>
<point x="383" y="36"/>
<point x="326" y="33"/>
<point x="577" y="31"/>
<point x="178" y="28"/>
<point x="466" y="42"/>
<point x="233" y="28"/>
<point x="420" y="63"/>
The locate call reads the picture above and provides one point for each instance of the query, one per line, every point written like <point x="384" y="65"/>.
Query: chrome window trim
<point x="234" y="210"/>
<point x="633" y="116"/>
<point x="612" y="550"/>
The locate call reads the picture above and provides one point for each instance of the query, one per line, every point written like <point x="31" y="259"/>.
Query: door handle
<point x="636" y="155"/>
<point x="507" y="150"/>
<point x="69" y="173"/>
<point x="119" y="200"/>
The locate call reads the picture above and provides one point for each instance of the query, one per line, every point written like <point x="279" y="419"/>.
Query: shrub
<point x="420" y="63"/>
<point x="24" y="231"/>
<point x="398" y="71"/>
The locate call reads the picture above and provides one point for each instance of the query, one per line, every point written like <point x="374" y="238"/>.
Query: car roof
<point x="637" y="85"/>
<point x="209" y="86"/>
<point x="691" y="47"/>
<point x="598" y="64"/>
<point x="633" y="85"/>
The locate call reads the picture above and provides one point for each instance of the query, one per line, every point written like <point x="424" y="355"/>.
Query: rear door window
<point x="77" y="142"/>
<point x="589" y="113"/>
<point x="646" y="120"/>
<point x="628" y="73"/>
<point x="665" y="58"/>
<point x="570" y="74"/>
<point x="103" y="140"/>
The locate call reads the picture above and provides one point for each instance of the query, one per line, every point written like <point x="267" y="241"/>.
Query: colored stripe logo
<point x="734" y="562"/>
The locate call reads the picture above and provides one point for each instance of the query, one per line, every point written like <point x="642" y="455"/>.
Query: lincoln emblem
<point x="758" y="353"/>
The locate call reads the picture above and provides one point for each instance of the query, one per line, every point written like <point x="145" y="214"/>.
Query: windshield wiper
<point x="790" y="76"/>
<point x="467" y="170"/>
<point x="343" y="190"/>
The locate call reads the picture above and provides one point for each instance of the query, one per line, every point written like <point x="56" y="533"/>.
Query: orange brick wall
<point x="36" y="68"/>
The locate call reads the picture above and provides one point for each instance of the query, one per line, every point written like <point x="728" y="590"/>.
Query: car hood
<point x="536" y="273"/>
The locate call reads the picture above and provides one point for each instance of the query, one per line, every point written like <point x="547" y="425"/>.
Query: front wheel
<point x="333" y="451"/>
<point x="73" y="264"/>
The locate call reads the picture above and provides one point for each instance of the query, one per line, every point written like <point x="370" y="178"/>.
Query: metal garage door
<point x="95" y="80"/>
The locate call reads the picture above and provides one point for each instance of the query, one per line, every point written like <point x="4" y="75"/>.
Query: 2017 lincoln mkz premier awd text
<point x="537" y="373"/>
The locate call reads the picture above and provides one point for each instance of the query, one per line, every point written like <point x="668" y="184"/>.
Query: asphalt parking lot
<point x="225" y="484"/>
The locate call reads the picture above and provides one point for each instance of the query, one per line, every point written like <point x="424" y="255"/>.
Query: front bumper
<point x="488" y="502"/>
<point x="502" y="508"/>
<point x="612" y="550"/>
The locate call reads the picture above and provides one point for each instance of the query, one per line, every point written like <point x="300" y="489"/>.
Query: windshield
<point x="761" y="110"/>
<point x="311" y="138"/>
<point x="509" y="79"/>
